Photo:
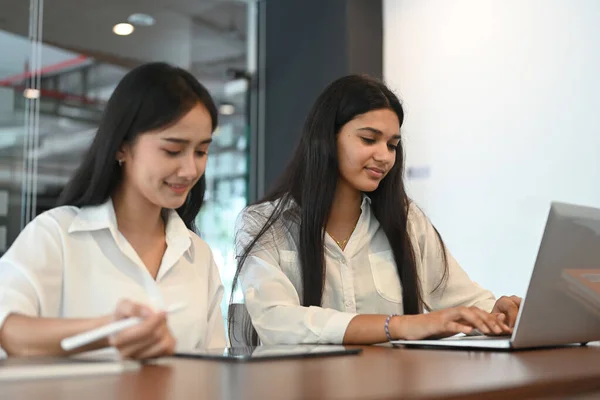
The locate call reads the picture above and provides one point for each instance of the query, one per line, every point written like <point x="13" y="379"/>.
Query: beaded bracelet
<point x="386" y="326"/>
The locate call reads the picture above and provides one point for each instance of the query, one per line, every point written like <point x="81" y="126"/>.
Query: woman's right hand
<point x="149" y="339"/>
<point x="448" y="322"/>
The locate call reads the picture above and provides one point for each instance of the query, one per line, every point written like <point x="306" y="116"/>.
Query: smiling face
<point x="162" y="166"/>
<point x="366" y="148"/>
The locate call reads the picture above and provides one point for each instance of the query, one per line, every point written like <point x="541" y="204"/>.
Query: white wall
<point x="503" y="105"/>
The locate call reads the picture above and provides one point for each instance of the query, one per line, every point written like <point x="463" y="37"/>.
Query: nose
<point x="383" y="154"/>
<point x="189" y="167"/>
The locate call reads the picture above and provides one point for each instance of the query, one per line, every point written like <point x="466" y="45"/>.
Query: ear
<point x="123" y="152"/>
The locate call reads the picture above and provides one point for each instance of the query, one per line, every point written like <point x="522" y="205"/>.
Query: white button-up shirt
<point x="362" y="279"/>
<point x="74" y="263"/>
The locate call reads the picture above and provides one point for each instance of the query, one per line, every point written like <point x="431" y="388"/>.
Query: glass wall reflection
<point x="53" y="92"/>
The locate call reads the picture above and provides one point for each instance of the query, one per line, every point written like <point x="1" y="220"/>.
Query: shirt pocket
<point x="385" y="276"/>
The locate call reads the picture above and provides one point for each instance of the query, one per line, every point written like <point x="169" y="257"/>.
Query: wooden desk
<point x="378" y="373"/>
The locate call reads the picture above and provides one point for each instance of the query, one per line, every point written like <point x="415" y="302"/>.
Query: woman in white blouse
<point x="122" y="243"/>
<point x="337" y="253"/>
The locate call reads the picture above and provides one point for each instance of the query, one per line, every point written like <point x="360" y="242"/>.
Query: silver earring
<point x="120" y="163"/>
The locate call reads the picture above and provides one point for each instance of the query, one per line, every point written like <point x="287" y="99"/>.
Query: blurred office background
<point x="500" y="100"/>
<point x="59" y="63"/>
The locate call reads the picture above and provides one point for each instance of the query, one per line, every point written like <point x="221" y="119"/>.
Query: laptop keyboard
<point x="478" y="337"/>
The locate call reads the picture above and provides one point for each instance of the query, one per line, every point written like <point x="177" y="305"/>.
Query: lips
<point x="178" y="188"/>
<point x="375" y="172"/>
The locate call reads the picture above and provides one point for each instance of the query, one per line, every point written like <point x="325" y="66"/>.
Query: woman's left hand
<point x="509" y="307"/>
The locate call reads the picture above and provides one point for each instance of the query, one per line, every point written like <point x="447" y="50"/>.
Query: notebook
<point x="84" y="364"/>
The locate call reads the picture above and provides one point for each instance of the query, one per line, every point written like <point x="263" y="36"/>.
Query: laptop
<point x="562" y="304"/>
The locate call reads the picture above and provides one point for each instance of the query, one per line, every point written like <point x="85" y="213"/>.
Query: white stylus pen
<point x="81" y="339"/>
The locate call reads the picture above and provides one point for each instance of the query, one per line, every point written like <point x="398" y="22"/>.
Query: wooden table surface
<point x="377" y="373"/>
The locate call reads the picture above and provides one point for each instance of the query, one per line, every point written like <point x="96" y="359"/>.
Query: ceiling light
<point x="139" y="19"/>
<point x="31" y="93"/>
<point x="226" y="109"/>
<point x="123" y="29"/>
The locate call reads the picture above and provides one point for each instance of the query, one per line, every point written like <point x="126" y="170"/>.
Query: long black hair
<point x="308" y="185"/>
<point x="149" y="97"/>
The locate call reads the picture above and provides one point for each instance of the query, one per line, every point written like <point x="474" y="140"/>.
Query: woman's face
<point x="367" y="148"/>
<point x="162" y="166"/>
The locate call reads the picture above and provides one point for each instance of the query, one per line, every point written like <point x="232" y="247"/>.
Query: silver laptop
<point x="562" y="304"/>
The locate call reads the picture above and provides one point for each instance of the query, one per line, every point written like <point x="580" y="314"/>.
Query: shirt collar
<point x="366" y="202"/>
<point x="93" y="218"/>
<point x="175" y="230"/>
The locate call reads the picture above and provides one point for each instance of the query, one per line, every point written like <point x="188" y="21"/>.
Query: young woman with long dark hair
<point x="122" y="241"/>
<point x="338" y="253"/>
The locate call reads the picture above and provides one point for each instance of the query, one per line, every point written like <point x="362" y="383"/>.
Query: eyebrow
<point x="185" y="141"/>
<point x="378" y="132"/>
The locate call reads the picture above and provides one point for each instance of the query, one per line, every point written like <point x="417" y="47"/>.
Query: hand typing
<point x="448" y="322"/>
